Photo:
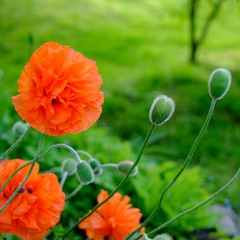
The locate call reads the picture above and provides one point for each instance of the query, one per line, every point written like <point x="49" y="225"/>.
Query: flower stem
<point x="76" y="190"/>
<point x="120" y="184"/>
<point x="106" y="165"/>
<point x="12" y="175"/>
<point x="84" y="153"/>
<point x="26" y="177"/>
<point x="185" y="164"/>
<point x="12" y="147"/>
<point x="64" y="177"/>
<point x="61" y="145"/>
<point x="198" y="205"/>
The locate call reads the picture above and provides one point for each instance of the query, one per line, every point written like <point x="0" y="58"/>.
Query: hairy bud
<point x="96" y="166"/>
<point x="145" y="237"/>
<point x="19" y="127"/>
<point x="85" y="173"/>
<point x="69" y="166"/>
<point x="163" y="236"/>
<point x="125" y="166"/>
<point x="161" y="110"/>
<point x="219" y="83"/>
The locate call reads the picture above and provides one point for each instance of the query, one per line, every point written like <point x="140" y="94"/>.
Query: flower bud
<point x="69" y="166"/>
<point x="145" y="237"/>
<point x="19" y="127"/>
<point x="163" y="236"/>
<point x="125" y="166"/>
<point x="96" y="166"/>
<point x="219" y="83"/>
<point x="85" y="173"/>
<point x="161" y="110"/>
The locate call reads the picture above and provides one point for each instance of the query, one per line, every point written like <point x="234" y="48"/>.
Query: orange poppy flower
<point x="59" y="91"/>
<point x="36" y="208"/>
<point x="115" y="219"/>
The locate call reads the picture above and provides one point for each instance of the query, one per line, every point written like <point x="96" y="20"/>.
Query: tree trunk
<point x="195" y="41"/>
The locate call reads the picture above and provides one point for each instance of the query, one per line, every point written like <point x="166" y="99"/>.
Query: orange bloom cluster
<point x="38" y="205"/>
<point x="115" y="219"/>
<point x="59" y="91"/>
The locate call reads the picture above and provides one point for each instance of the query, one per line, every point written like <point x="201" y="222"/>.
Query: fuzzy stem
<point x="185" y="164"/>
<point x="61" y="145"/>
<point x="12" y="175"/>
<point x="76" y="190"/>
<point x="64" y="177"/>
<point x="113" y="165"/>
<point x="119" y="186"/>
<point x="26" y="177"/>
<point x="84" y="153"/>
<point x="106" y="165"/>
<point x="12" y="147"/>
<point x="234" y="178"/>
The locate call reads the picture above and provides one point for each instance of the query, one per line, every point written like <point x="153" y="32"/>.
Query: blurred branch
<point x="194" y="41"/>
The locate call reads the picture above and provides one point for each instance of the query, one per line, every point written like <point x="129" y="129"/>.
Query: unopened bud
<point x="163" y="236"/>
<point x="69" y="166"/>
<point x="161" y="110"/>
<point x="96" y="166"/>
<point x="219" y="83"/>
<point x="125" y="166"/>
<point x="19" y="127"/>
<point x="145" y="237"/>
<point x="85" y="173"/>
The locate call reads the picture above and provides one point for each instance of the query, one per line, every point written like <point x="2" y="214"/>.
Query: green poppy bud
<point x="19" y="127"/>
<point x="161" y="110"/>
<point x="96" y="166"/>
<point x="85" y="173"/>
<point x="145" y="237"/>
<point x="69" y="166"/>
<point x="219" y="83"/>
<point x="163" y="236"/>
<point x="125" y="166"/>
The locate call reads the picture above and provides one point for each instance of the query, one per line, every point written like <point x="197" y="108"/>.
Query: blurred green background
<point x="142" y="49"/>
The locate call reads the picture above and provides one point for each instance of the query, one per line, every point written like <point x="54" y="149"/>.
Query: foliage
<point x="141" y="48"/>
<point x="186" y="192"/>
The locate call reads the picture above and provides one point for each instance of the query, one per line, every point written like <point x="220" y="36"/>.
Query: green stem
<point x="85" y="153"/>
<point x="120" y="184"/>
<point x="61" y="145"/>
<point x="185" y="164"/>
<point x="11" y="148"/>
<point x="76" y="190"/>
<point x="64" y="177"/>
<point x="26" y="177"/>
<point x="12" y="175"/>
<point x="197" y="206"/>
<point x="113" y="165"/>
<point x="106" y="165"/>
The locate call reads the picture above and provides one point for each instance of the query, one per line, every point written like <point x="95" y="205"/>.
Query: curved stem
<point x="12" y="175"/>
<point x="113" y="165"/>
<point x="11" y="148"/>
<point x="198" y="205"/>
<point x="84" y="153"/>
<point x="185" y="164"/>
<point x="61" y="145"/>
<point x="18" y="188"/>
<point x="26" y="177"/>
<point x="64" y="177"/>
<point x="76" y="190"/>
<point x="120" y="184"/>
<point x="106" y="165"/>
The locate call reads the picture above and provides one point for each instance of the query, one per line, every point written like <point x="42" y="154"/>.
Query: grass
<point x="141" y="49"/>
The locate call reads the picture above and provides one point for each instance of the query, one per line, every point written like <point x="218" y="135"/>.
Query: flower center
<point x="112" y="222"/>
<point x="55" y="101"/>
<point x="25" y="190"/>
